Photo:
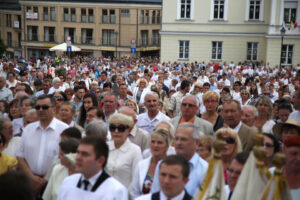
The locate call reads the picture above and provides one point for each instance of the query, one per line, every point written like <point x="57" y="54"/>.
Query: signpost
<point x="69" y="45"/>
<point x="133" y="46"/>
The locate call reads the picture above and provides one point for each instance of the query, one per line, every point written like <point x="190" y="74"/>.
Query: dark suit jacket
<point x="155" y="196"/>
<point x="246" y="135"/>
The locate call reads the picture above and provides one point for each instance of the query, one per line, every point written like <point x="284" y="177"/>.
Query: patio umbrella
<point x="63" y="47"/>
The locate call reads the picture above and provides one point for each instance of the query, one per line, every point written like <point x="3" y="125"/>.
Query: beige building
<point x="11" y="27"/>
<point x="230" y="30"/>
<point x="99" y="27"/>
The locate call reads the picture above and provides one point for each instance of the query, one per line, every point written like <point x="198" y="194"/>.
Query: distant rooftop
<point x="105" y="1"/>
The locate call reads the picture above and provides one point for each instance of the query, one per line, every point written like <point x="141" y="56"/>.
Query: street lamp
<point x="282" y="32"/>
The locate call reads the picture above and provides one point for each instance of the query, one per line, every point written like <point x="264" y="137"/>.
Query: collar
<point x="193" y="160"/>
<point x="93" y="179"/>
<point x="124" y="147"/>
<point x="190" y="121"/>
<point x="72" y="124"/>
<point x="156" y="117"/>
<point x="164" y="197"/>
<point x="134" y="130"/>
<point x="52" y="124"/>
<point x="237" y="128"/>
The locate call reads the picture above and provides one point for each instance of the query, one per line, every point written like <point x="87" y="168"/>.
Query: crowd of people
<point x="135" y="128"/>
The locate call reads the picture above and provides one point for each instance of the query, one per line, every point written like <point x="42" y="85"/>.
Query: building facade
<point x="99" y="27"/>
<point x="230" y="30"/>
<point x="11" y="27"/>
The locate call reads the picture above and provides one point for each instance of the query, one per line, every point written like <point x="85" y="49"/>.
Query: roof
<point x="10" y="6"/>
<point x="106" y="1"/>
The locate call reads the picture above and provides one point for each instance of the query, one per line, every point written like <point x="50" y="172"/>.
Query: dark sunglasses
<point x="44" y="107"/>
<point x="229" y="140"/>
<point x="121" y="128"/>
<point x="59" y="98"/>
<point x="268" y="145"/>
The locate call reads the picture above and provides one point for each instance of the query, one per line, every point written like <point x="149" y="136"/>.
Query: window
<point x="46" y="14"/>
<point x="144" y="17"/>
<point x="254" y="10"/>
<point x="155" y="37"/>
<point x="86" y="36"/>
<point x="252" y="50"/>
<point x="91" y="15"/>
<point x="52" y="14"/>
<point x="216" y="51"/>
<point x="8" y="20"/>
<point x="185" y="9"/>
<point x="112" y="16"/>
<point x="36" y="10"/>
<point x="219" y="9"/>
<point x="32" y="33"/>
<point x="108" y="37"/>
<point x="83" y="15"/>
<point x="73" y="15"/>
<point x="66" y="14"/>
<point x="158" y="17"/>
<point x="290" y="15"/>
<point x="287" y="54"/>
<point x="125" y="12"/>
<point x="105" y="16"/>
<point x="144" y="38"/>
<point x="9" y="39"/>
<point x="153" y="16"/>
<point x="49" y="34"/>
<point x="184" y="48"/>
<point x="70" y="32"/>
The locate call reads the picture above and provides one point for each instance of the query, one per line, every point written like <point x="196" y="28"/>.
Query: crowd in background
<point x="145" y="111"/>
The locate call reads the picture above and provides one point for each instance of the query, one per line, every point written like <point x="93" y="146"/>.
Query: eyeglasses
<point x="188" y="104"/>
<point x="268" y="145"/>
<point x="121" y="128"/>
<point x="44" y="107"/>
<point x="229" y="140"/>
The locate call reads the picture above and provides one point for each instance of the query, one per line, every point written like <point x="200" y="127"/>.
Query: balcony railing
<point x="87" y="40"/>
<point x="83" y="18"/>
<point x="73" y="18"/>
<point x="155" y="19"/>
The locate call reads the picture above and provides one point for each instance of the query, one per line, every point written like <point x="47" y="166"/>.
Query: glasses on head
<point x="44" y="107"/>
<point x="188" y="104"/>
<point x="268" y="145"/>
<point x="58" y="98"/>
<point x="121" y="128"/>
<point x="229" y="140"/>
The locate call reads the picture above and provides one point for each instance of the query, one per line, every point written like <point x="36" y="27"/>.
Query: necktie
<point x="86" y="184"/>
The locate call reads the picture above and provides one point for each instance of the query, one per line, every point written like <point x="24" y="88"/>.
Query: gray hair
<point x="193" y="97"/>
<point x="55" y="80"/>
<point x="96" y="128"/>
<point x="253" y="108"/>
<point x="152" y="94"/>
<point x="30" y="112"/>
<point x="73" y="109"/>
<point x="171" y="129"/>
<point x="2" y="120"/>
<point x="196" y="131"/>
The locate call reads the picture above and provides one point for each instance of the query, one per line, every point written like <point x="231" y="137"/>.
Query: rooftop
<point x="105" y="1"/>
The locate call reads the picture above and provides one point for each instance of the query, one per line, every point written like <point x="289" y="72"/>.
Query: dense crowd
<point x="135" y="128"/>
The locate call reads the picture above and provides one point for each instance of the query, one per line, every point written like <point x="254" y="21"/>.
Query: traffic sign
<point x="133" y="50"/>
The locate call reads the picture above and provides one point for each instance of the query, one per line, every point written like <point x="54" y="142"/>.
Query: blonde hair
<point x="207" y="142"/>
<point x="142" y="79"/>
<point x="119" y="118"/>
<point x="232" y="133"/>
<point x="134" y="102"/>
<point x="163" y="133"/>
<point x="170" y="130"/>
<point x="211" y="94"/>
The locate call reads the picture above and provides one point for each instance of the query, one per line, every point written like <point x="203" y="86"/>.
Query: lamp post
<point x="116" y="41"/>
<point x="282" y="32"/>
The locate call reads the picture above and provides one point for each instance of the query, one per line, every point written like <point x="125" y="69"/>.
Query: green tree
<point x="3" y="47"/>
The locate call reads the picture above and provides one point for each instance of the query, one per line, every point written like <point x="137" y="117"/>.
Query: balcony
<point x="87" y="40"/>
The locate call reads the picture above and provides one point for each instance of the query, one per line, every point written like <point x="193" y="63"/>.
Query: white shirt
<point x="12" y="146"/>
<point x="122" y="161"/>
<point x="147" y="124"/>
<point x="38" y="146"/>
<point x="162" y="196"/>
<point x="295" y="115"/>
<point x="237" y="128"/>
<point x="91" y="180"/>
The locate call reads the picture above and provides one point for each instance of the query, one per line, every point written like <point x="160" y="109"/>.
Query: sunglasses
<point x="59" y="98"/>
<point x="268" y="145"/>
<point x="229" y="140"/>
<point x="44" y="107"/>
<point x="121" y="128"/>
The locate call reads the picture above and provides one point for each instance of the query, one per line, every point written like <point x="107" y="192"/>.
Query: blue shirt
<point x="198" y="169"/>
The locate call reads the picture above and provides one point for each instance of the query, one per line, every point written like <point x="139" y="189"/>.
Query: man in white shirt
<point x="92" y="182"/>
<point x="40" y="142"/>
<point x="296" y="99"/>
<point x="148" y="120"/>
<point x="173" y="176"/>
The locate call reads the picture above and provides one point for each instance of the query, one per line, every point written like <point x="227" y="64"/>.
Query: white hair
<point x="151" y="94"/>
<point x="253" y="108"/>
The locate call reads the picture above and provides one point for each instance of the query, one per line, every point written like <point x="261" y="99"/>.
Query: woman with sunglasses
<point x="272" y="146"/>
<point x="123" y="154"/>
<point x="245" y="96"/>
<point x="144" y="171"/>
<point x="232" y="146"/>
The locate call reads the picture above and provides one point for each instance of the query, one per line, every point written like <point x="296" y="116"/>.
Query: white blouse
<point x="122" y="161"/>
